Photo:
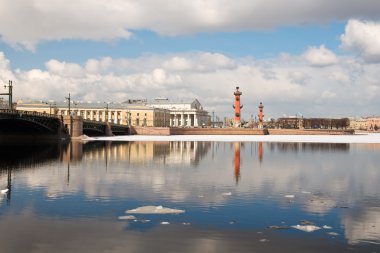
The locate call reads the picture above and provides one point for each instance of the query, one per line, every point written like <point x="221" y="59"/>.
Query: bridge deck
<point x="52" y="123"/>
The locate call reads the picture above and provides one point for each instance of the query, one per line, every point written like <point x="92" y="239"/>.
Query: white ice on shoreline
<point x="356" y="138"/>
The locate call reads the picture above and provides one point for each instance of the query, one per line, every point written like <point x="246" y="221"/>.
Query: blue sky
<point x="309" y="57"/>
<point x="256" y="44"/>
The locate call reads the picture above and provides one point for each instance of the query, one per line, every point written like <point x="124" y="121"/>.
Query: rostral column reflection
<point x="261" y="152"/>
<point x="237" y="161"/>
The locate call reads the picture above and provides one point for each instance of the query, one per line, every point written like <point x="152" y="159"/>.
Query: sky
<point x="309" y="58"/>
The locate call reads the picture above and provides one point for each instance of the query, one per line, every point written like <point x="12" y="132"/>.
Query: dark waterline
<point x="240" y="197"/>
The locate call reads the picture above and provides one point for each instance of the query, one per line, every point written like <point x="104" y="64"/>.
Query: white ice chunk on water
<point x="326" y="227"/>
<point x="155" y="210"/>
<point x="4" y="191"/>
<point x="306" y="228"/>
<point x="226" y="193"/>
<point x="127" y="217"/>
<point x="165" y="223"/>
<point x="290" y="196"/>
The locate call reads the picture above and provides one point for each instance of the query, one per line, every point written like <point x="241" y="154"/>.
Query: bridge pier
<point x="74" y="125"/>
<point x="108" y="131"/>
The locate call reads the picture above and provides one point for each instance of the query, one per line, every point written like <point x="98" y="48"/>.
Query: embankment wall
<point x="196" y="131"/>
<point x="309" y="132"/>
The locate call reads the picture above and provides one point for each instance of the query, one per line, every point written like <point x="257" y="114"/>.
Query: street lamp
<point x="69" y="101"/>
<point x="10" y="93"/>
<point x="213" y="119"/>
<point x="50" y="106"/>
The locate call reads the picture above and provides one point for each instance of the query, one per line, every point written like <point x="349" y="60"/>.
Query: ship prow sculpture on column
<point x="237" y="107"/>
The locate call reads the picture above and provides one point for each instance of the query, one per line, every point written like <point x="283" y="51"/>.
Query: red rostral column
<point x="261" y="115"/>
<point x="237" y="106"/>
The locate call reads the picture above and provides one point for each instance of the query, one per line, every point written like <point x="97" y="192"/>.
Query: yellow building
<point x="118" y="113"/>
<point x="358" y="124"/>
<point x="369" y="124"/>
<point x="373" y="124"/>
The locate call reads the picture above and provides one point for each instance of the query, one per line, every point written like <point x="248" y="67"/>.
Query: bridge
<point x="16" y="122"/>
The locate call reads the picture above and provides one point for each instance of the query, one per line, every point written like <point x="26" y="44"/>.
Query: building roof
<point x="172" y="101"/>
<point x="162" y="100"/>
<point x="83" y="105"/>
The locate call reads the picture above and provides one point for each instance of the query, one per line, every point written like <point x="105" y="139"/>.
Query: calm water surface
<point x="240" y="197"/>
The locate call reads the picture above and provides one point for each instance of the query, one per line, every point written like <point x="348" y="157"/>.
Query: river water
<point x="237" y="197"/>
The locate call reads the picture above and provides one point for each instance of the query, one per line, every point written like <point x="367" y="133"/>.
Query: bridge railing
<point x="94" y="122"/>
<point x="20" y="112"/>
<point x="30" y="113"/>
<point x="104" y="123"/>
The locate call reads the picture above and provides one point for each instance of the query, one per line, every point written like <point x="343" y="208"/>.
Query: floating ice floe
<point x="332" y="233"/>
<point x="165" y="223"/>
<point x="278" y="227"/>
<point x="326" y="227"/>
<point x="4" y="191"/>
<point x="305" y="192"/>
<point x="186" y="223"/>
<point x="155" y="210"/>
<point x="289" y="196"/>
<point x="306" y="228"/>
<point x="127" y="217"/>
<point x="226" y="193"/>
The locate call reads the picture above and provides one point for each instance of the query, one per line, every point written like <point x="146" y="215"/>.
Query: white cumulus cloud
<point x="25" y="23"/>
<point x="284" y="84"/>
<point x="363" y="37"/>
<point x="320" y="56"/>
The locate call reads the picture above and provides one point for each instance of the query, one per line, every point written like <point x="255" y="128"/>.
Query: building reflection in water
<point x="314" y="147"/>
<point x="138" y="153"/>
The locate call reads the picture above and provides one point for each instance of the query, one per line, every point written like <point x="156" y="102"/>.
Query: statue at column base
<point x="237" y="124"/>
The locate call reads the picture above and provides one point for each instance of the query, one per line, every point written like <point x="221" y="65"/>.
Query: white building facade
<point x="183" y="112"/>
